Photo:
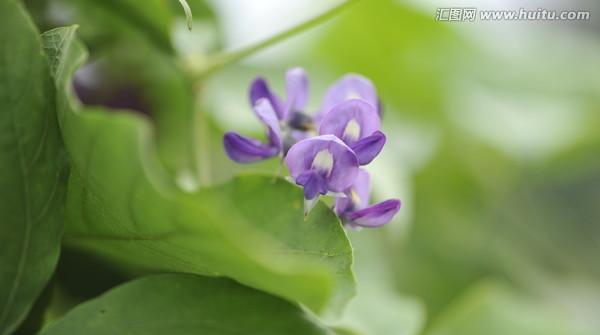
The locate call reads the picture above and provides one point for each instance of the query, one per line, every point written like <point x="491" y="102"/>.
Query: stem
<point x="188" y="13"/>
<point x="221" y="60"/>
<point x="203" y="138"/>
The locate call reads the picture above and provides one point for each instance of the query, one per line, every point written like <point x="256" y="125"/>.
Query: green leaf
<point x="32" y="168"/>
<point x="118" y="32"/>
<point x="186" y="304"/>
<point x="110" y="19"/>
<point x="122" y="206"/>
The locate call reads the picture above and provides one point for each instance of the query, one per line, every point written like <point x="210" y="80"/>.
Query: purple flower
<point x="295" y="123"/>
<point x="350" y="86"/>
<point x="354" y="208"/>
<point x="320" y="165"/>
<point x="244" y="149"/>
<point x="296" y="94"/>
<point x="348" y="137"/>
<point x="357" y="123"/>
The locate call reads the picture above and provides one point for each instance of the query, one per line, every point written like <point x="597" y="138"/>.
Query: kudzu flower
<point x="321" y="164"/>
<point x="354" y="209"/>
<point x="296" y="84"/>
<point x="357" y="123"/>
<point x="350" y="86"/>
<point x="244" y="149"/>
<point x="286" y="124"/>
<point x="327" y="161"/>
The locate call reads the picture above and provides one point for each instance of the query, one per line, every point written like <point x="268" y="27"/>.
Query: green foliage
<point x="497" y="244"/>
<point x="377" y="308"/>
<point x="117" y="33"/>
<point x="196" y="305"/>
<point x="480" y="215"/>
<point x="409" y="55"/>
<point x="107" y="21"/>
<point x="32" y="165"/>
<point x="493" y="309"/>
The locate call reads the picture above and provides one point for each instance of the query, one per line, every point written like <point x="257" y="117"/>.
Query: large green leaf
<point x="122" y="206"/>
<point x="31" y="168"/>
<point x="186" y="304"/>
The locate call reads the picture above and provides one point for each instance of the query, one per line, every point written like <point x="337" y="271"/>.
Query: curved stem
<point x="188" y="13"/>
<point x="222" y="60"/>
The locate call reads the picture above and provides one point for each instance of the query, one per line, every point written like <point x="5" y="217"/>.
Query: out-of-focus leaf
<point x="493" y="309"/>
<point x="164" y="91"/>
<point x="408" y="55"/>
<point x="186" y="304"/>
<point x="377" y="308"/>
<point x="345" y="331"/>
<point x="450" y="243"/>
<point x="32" y="165"/>
<point x="78" y="277"/>
<point x="480" y="214"/>
<point x="106" y="20"/>
<point x="118" y="32"/>
<point x="123" y="207"/>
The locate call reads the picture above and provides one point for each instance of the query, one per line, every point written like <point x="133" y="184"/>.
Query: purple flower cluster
<point x="324" y="153"/>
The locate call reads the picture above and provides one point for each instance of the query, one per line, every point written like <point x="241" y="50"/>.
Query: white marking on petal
<point x="352" y="94"/>
<point x="355" y="197"/>
<point x="323" y="161"/>
<point x="352" y="130"/>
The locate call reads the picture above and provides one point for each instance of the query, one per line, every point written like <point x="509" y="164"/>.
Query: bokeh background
<point x="493" y="141"/>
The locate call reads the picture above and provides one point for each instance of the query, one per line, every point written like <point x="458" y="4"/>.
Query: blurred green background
<point x="493" y="142"/>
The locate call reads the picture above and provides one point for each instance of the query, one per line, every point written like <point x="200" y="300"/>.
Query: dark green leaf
<point x="186" y="304"/>
<point x="31" y="168"/>
<point x="123" y="207"/>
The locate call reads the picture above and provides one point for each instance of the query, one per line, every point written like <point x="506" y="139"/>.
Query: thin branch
<point x="222" y="60"/>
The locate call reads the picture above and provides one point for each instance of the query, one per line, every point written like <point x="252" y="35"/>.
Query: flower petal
<point x="296" y="83"/>
<point x="344" y="166"/>
<point x="356" y="196"/>
<point x="260" y="89"/>
<point x="313" y="182"/>
<point x="265" y="112"/>
<point x="246" y="150"/>
<point x="374" y="216"/>
<point x="351" y="121"/>
<point x="350" y="86"/>
<point x="369" y="147"/>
